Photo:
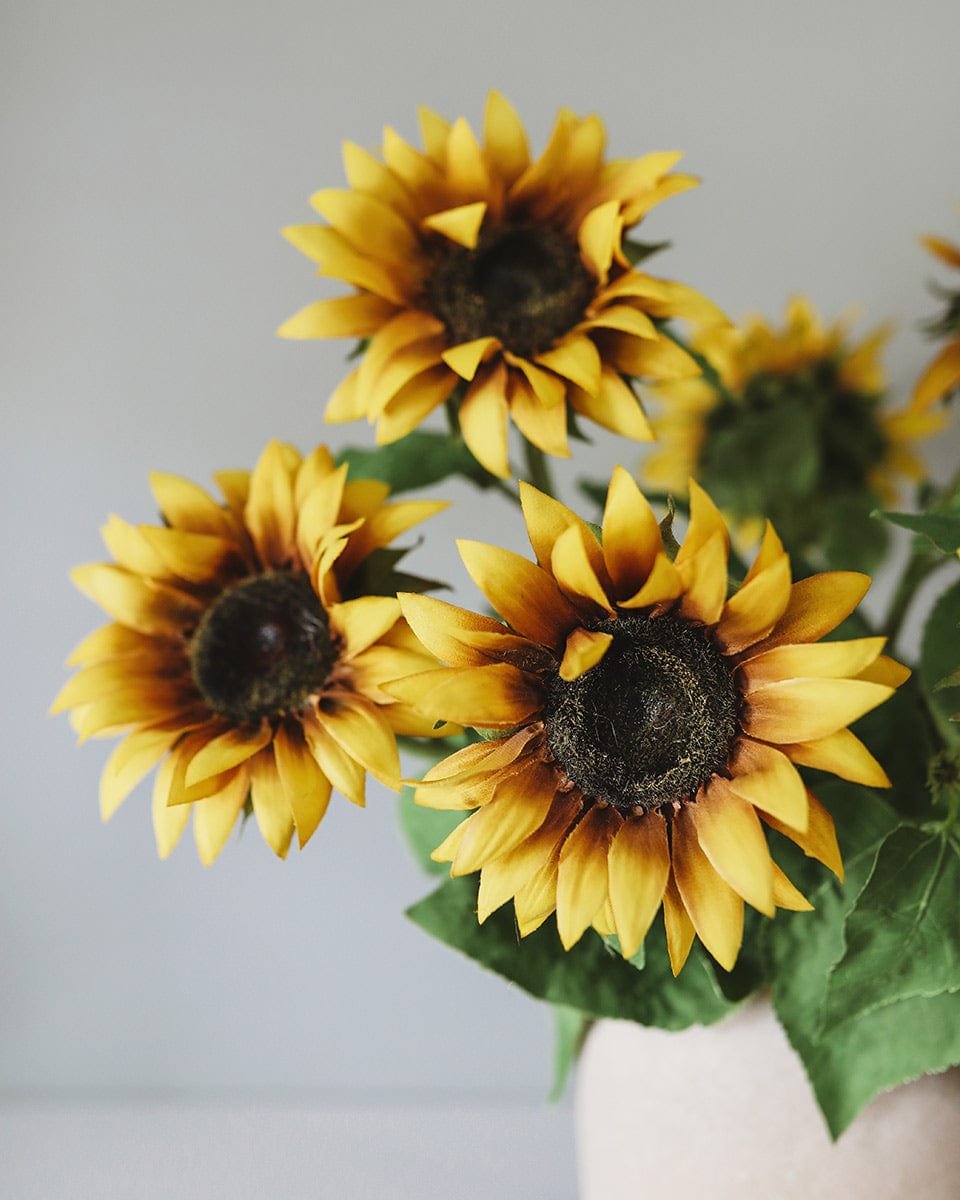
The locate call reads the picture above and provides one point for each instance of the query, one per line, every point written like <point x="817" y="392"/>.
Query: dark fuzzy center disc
<point x="262" y="647"/>
<point x="524" y="284"/>
<point x="652" y="721"/>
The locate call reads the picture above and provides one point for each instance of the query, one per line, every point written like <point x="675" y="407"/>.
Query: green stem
<point x="538" y="469"/>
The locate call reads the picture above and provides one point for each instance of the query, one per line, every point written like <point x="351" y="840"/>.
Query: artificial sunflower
<point x="244" y="653"/>
<point x="501" y="279"/>
<point x="788" y="423"/>
<point x="942" y="376"/>
<point x="642" y="726"/>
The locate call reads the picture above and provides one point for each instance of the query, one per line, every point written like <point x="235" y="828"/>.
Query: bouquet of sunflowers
<point x="669" y="763"/>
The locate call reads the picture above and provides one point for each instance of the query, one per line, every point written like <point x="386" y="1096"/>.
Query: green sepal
<point x="419" y="460"/>
<point x="636" y="251"/>
<point x="571" y="1027"/>
<point x="377" y="575"/>
<point x="902" y="936"/>
<point x="587" y="977"/>
<point x="940" y="528"/>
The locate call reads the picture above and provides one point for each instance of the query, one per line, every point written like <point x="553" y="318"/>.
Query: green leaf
<point x="903" y="933"/>
<point x="943" y="529"/>
<point x="587" y="977"/>
<point x="424" y="830"/>
<point x="420" y="459"/>
<point x="940" y="650"/>
<point x="849" y="1064"/>
<point x="571" y="1028"/>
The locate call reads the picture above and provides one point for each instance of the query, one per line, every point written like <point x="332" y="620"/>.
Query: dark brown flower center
<point x="652" y="721"/>
<point x="262" y="648"/>
<point x="523" y="284"/>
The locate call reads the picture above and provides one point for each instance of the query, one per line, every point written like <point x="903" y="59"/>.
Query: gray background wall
<point x="150" y="154"/>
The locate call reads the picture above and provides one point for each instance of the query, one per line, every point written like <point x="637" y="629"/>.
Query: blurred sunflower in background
<point x="942" y="375"/>
<point x="247" y="649"/>
<point x="499" y="281"/>
<point x="788" y="423"/>
<point x="642" y="725"/>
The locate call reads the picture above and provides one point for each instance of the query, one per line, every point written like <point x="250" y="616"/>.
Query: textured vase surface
<point x="726" y="1111"/>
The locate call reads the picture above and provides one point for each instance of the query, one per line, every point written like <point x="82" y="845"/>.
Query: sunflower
<point x="942" y="376"/>
<point x="502" y="281"/>
<point x="802" y="405"/>
<point x="641" y="726"/>
<point x="243" y="653"/>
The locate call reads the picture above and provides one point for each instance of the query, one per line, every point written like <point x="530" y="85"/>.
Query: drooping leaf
<point x="420" y="459"/>
<point x="941" y="528"/>
<point x="903" y="933"/>
<point x="587" y="977"/>
<point x="570" y="1029"/>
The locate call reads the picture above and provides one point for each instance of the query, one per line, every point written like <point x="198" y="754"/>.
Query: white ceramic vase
<point x="727" y="1111"/>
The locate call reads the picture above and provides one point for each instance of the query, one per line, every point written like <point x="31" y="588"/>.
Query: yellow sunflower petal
<point x="730" y="835"/>
<point x="460" y="224"/>
<point x="466" y="358"/>
<point x="504" y="138"/>
<point x="940" y="377"/>
<point x="599" y="237"/>
<point x="582" y="887"/>
<point x="503" y="877"/>
<point x="185" y="505"/>
<point x="843" y="754"/>
<point x="152" y="608"/>
<point x="358" y="316"/>
<point x="498" y="696"/>
<point x="483" y="420"/>
<point x="363" y="621"/>
<point x="341" y="768"/>
<point x="631" y="534"/>
<point x="819" y="840"/>
<point x="764" y="776"/>
<point x="227" y="751"/>
<point x="584" y="650"/>
<point x="270" y="514"/>
<point x="678" y="926"/>
<point x="439" y="625"/>
<point x="574" y="358"/>
<point x="519" y="806"/>
<point x="714" y="907"/>
<point x="817" y="605"/>
<point x="639" y="867"/>
<point x="704" y="578"/>
<point x="363" y="731"/>
<point x="785" y="895"/>
<point x="801" y="710"/>
<point x="526" y="596"/>
<point x="662" y="584"/>
<point x="827" y="660"/>
<point x="614" y="407"/>
<point x="129" y="762"/>
<point x="753" y="610"/>
<point x="215" y="816"/>
<point x="574" y="568"/>
<point x="367" y="223"/>
<point x="545" y="427"/>
<point x="304" y="784"/>
<point x="168" y="823"/>
<point x="269" y="800"/>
